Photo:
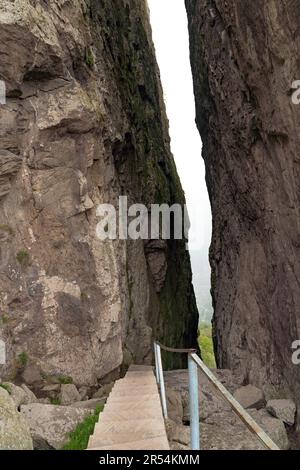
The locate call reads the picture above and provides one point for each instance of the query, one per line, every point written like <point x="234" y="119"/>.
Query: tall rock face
<point x="84" y="123"/>
<point x="245" y="58"/>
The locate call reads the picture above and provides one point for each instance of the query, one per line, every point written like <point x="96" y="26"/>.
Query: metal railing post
<point x="156" y="362"/>
<point x="194" y="404"/>
<point x="161" y="382"/>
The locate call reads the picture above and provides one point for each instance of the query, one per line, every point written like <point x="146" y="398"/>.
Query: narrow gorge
<point x="83" y="124"/>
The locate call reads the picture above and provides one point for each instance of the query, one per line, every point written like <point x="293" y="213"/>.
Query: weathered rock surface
<point x="69" y="394"/>
<point x="178" y="434"/>
<point x="273" y="427"/>
<point x="14" y="432"/>
<point x="209" y="402"/>
<point x="53" y="423"/>
<point x="89" y="404"/>
<point x="103" y="391"/>
<point x="18" y="394"/>
<point x="83" y="392"/>
<point x="250" y="397"/>
<point x="31" y="396"/>
<point x="221" y="428"/>
<point x="283" y="409"/>
<point x="84" y="123"/>
<point x="41" y="444"/>
<point x="244" y="61"/>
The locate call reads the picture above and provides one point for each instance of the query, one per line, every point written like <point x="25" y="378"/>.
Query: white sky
<point x="170" y="36"/>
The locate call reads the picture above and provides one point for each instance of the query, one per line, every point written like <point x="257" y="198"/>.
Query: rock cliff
<point x="245" y="58"/>
<point x="83" y="124"/>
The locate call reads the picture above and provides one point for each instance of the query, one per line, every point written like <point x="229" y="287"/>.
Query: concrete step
<point x="156" y="443"/>
<point x="134" y="402"/>
<point x="132" y="386"/>
<point x="109" y="439"/>
<point x="113" y="414"/>
<point x="132" y="417"/>
<point x="135" y="381"/>
<point x="125" y="395"/>
<point x="139" y="368"/>
<point x="133" y="425"/>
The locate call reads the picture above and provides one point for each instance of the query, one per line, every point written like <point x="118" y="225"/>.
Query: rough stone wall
<point x="84" y="123"/>
<point x="245" y="57"/>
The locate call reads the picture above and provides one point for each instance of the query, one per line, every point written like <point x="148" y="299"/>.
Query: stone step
<point x="156" y="443"/>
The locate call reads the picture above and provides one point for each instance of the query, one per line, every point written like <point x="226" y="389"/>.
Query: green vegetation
<point x="89" y="59"/>
<point x="6" y="387"/>
<point x="65" y="379"/>
<point x="4" y="319"/>
<point x="206" y="345"/>
<point x="55" y="401"/>
<point x="83" y="296"/>
<point x="23" y="257"/>
<point x="79" y="438"/>
<point x="22" y="359"/>
<point x="7" y="228"/>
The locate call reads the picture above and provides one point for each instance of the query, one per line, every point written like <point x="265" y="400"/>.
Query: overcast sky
<point x="170" y="36"/>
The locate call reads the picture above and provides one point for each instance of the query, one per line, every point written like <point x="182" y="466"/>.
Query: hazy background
<point x="170" y="36"/>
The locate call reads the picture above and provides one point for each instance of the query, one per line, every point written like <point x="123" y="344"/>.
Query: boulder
<point x="31" y="396"/>
<point x="20" y="395"/>
<point x="17" y="394"/>
<point x="51" y="388"/>
<point x="41" y="444"/>
<point x="283" y="409"/>
<point x="210" y="403"/>
<point x="175" y="405"/>
<point x="177" y="434"/>
<point x="83" y="392"/>
<point x="250" y="397"/>
<point x="14" y="431"/>
<point x="273" y="427"/>
<point x="53" y="423"/>
<point x="89" y="404"/>
<point x="224" y="431"/>
<point x="31" y="374"/>
<point x="69" y="394"/>
<point x="104" y="391"/>
<point x="44" y="401"/>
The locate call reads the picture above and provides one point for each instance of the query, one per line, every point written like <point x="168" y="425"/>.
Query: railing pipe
<point x="194" y="404"/>
<point x="161" y="382"/>
<point x="156" y="362"/>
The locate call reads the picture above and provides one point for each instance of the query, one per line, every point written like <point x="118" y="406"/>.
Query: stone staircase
<point x="132" y="418"/>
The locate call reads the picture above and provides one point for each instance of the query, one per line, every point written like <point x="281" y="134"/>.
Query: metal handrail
<point x="194" y="362"/>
